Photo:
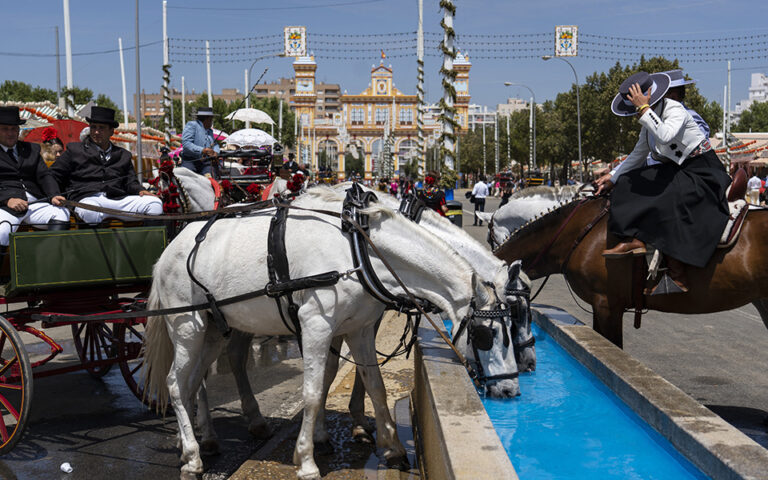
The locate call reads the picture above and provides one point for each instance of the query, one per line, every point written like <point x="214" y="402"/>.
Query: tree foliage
<point x="754" y="119"/>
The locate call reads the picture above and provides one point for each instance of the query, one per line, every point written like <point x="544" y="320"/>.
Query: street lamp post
<point x="532" y="122"/>
<point x="578" y="109"/>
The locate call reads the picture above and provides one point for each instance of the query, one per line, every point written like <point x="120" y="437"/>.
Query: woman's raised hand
<point x="636" y="96"/>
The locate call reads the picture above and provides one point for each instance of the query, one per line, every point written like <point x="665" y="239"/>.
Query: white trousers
<point x="38" y="214"/>
<point x="147" y="205"/>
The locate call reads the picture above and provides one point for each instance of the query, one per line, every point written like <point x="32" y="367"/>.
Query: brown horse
<point x="570" y="240"/>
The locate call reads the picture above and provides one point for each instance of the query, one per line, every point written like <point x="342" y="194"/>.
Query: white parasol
<point x="250" y="137"/>
<point x="250" y="115"/>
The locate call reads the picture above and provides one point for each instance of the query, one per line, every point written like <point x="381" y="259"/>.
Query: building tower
<point x="461" y="66"/>
<point x="304" y="100"/>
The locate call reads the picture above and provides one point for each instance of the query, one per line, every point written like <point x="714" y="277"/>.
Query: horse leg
<point x="238" y="350"/>
<point x="606" y="320"/>
<point x="361" y="430"/>
<point x="212" y="347"/>
<point x="316" y="342"/>
<point x="762" y="308"/>
<point x="188" y="331"/>
<point x="362" y="345"/>
<point x="321" y="438"/>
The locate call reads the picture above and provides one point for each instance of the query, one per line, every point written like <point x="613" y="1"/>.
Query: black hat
<point x="103" y="115"/>
<point x="10" y="116"/>
<point x="205" y="112"/>
<point x="657" y="83"/>
<point x="290" y="165"/>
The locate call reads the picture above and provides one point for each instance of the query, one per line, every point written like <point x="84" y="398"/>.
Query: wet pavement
<point x="103" y="431"/>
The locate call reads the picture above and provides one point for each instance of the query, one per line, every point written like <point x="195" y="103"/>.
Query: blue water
<point x="568" y="425"/>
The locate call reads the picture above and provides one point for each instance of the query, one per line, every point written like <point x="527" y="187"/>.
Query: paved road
<point x="719" y="359"/>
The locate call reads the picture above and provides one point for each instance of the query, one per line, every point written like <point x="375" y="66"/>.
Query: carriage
<point x="54" y="275"/>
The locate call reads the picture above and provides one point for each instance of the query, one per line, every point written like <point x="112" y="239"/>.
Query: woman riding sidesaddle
<point x="678" y="205"/>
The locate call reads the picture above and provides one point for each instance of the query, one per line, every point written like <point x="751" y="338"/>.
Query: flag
<point x="383" y="55"/>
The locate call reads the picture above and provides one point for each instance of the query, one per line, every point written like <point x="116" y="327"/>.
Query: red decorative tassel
<point x="49" y="133"/>
<point x="253" y="189"/>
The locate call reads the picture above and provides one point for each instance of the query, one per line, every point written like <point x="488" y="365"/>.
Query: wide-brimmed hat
<point x="290" y="165"/>
<point x="10" y="116"/>
<point x="103" y="115"/>
<point x="205" y="112"/>
<point x="677" y="79"/>
<point x="657" y="83"/>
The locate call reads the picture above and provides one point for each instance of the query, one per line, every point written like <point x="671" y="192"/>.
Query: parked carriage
<point x="83" y="272"/>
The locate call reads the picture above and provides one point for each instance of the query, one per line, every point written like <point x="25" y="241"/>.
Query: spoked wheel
<point x="95" y="341"/>
<point x="15" y="386"/>
<point x="130" y="344"/>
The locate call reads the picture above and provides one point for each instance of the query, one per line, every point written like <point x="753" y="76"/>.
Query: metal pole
<point x="247" y="97"/>
<point x="139" y="158"/>
<point x="58" y="69"/>
<point x="183" y="104"/>
<point x="509" y="145"/>
<point x="208" y="69"/>
<point x="496" y="140"/>
<point x="578" y="112"/>
<point x="448" y="55"/>
<point x="725" y="127"/>
<point x="122" y="75"/>
<point x="531" y="160"/>
<point x="485" y="169"/>
<point x="280" y="122"/>
<point x="68" y="52"/>
<point x="166" y="79"/>
<point x="729" y="97"/>
<point x="420" y="88"/>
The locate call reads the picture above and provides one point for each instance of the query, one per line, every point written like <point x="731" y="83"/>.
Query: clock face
<point x="381" y="86"/>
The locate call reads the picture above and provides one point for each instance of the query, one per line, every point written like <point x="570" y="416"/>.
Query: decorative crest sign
<point x="295" y="41"/>
<point x="566" y="40"/>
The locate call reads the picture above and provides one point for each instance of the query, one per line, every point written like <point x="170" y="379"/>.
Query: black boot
<point x="57" y="225"/>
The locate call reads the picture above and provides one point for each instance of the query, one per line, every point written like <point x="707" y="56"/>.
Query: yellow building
<point x="367" y="118"/>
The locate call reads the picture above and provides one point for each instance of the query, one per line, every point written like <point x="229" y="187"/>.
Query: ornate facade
<point x="366" y="121"/>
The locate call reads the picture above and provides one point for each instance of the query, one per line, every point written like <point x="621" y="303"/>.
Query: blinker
<point x="482" y="337"/>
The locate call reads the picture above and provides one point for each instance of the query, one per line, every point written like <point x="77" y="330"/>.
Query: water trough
<point x="458" y="441"/>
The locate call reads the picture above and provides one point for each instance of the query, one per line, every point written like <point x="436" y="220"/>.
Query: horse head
<point x="483" y="337"/>
<point x="516" y="296"/>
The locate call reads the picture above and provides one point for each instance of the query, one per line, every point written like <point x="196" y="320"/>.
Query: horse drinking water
<point x="232" y="260"/>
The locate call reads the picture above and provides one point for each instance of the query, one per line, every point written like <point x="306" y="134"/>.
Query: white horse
<point x="523" y="206"/>
<point x="179" y="348"/>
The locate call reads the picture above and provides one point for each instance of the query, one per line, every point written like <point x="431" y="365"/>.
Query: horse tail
<point x="158" y="354"/>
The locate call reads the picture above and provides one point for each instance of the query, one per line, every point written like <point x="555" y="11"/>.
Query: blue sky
<point x="96" y="26"/>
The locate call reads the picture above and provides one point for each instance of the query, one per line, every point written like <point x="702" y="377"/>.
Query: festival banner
<point x="566" y="40"/>
<point x="295" y="41"/>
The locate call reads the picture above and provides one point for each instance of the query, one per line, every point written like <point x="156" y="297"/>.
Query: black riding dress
<point x="679" y="209"/>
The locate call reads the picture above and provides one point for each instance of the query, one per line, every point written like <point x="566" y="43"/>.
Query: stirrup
<point x="666" y="286"/>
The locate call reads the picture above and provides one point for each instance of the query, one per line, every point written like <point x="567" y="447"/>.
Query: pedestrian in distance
<point x="479" y="192"/>
<point x="753" y="189"/>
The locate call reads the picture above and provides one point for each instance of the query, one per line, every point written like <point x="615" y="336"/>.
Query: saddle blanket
<point x="738" y="211"/>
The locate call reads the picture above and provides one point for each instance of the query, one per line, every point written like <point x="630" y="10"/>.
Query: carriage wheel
<point x="95" y="341"/>
<point x="130" y="344"/>
<point x="15" y="386"/>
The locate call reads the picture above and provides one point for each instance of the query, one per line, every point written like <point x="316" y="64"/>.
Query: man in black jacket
<point x="97" y="172"/>
<point x="25" y="183"/>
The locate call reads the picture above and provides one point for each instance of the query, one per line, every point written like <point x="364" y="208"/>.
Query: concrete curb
<point x="709" y="442"/>
<point x="455" y="436"/>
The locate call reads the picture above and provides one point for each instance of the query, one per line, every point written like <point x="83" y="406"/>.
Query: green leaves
<point x="754" y="119"/>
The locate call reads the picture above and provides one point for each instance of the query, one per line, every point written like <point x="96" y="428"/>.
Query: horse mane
<point x="537" y="220"/>
<point x="328" y="194"/>
<point x="542" y="190"/>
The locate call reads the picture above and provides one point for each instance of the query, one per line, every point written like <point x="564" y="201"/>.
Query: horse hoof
<point x="262" y="431"/>
<point x="309" y="476"/>
<point x="399" y="463"/>
<point x="324" y="448"/>
<point x="361" y="435"/>
<point x="190" y="476"/>
<point x="209" y="447"/>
